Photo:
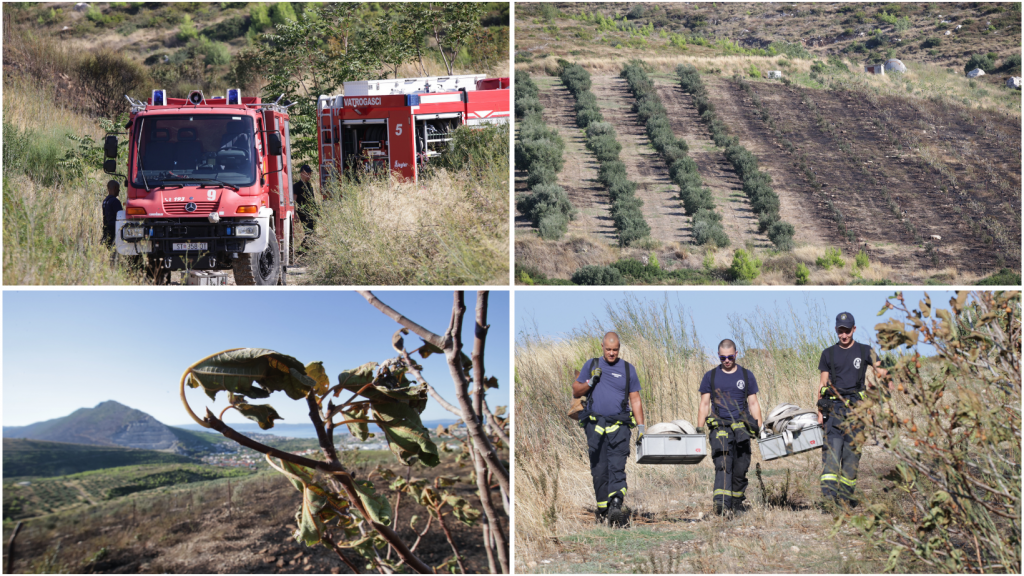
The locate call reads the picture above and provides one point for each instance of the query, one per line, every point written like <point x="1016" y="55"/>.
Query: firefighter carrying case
<point x="671" y="449"/>
<point x="781" y="446"/>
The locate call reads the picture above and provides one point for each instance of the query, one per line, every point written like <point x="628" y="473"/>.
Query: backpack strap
<point x="625" y="399"/>
<point x="746" y="376"/>
<point x="590" y="397"/>
<point x="714" y="402"/>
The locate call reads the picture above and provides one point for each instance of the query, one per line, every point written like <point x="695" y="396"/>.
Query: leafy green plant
<point x="803" y="275"/>
<point x="861" y="260"/>
<point x="591" y="275"/>
<point x="339" y="511"/>
<point x="832" y="257"/>
<point x="744" y="267"/>
<point x="952" y="423"/>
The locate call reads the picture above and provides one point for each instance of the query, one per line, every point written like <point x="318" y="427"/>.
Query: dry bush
<point x="109" y="76"/>
<point x="560" y="258"/>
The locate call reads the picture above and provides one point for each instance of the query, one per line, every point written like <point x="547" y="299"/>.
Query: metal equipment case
<point x="671" y="449"/>
<point x="774" y="446"/>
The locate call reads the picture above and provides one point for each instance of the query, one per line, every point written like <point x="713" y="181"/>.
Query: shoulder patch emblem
<point x="856" y="363"/>
<point x="740" y="384"/>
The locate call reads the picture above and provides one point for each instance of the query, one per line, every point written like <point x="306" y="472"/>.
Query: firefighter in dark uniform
<point x="843" y="367"/>
<point x="612" y="410"/>
<point x="731" y="423"/>
<point x="111" y="206"/>
<point x="304" y="197"/>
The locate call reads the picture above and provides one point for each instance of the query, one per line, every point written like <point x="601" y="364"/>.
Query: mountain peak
<point x="110" y="423"/>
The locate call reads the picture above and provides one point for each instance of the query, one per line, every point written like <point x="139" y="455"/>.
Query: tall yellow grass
<point x="451" y="228"/>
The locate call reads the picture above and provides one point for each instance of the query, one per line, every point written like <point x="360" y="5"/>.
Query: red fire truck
<point x="398" y="125"/>
<point x="208" y="186"/>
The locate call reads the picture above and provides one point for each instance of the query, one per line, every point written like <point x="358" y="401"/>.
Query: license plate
<point x="189" y="246"/>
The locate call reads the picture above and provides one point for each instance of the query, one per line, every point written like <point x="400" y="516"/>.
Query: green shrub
<point x="1011" y="64"/>
<point x="1004" y="277"/>
<point x="861" y="260"/>
<point x="282" y="12"/>
<point x="932" y="42"/>
<point x="745" y="268"/>
<point x="753" y="72"/>
<point x="982" y="61"/>
<point x="597" y="276"/>
<point x="227" y="30"/>
<point x="187" y="29"/>
<point x="832" y="257"/>
<point x="259" y="17"/>
<point x="215" y="53"/>
<point x="108" y="75"/>
<point x="803" y="275"/>
<point x="553" y="226"/>
<point x="781" y="234"/>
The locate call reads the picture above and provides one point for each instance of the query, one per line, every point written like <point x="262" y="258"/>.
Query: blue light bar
<point x="159" y="97"/>
<point x="234" y="96"/>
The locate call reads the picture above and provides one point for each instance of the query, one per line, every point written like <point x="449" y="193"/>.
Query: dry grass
<point x="611" y="66"/>
<point x="52" y="233"/>
<point x="780" y="347"/>
<point x="560" y="258"/>
<point x="451" y="228"/>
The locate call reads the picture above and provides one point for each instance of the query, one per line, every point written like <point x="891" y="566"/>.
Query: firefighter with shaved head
<point x="612" y="409"/>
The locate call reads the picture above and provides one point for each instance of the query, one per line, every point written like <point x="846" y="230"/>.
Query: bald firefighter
<point x="612" y="410"/>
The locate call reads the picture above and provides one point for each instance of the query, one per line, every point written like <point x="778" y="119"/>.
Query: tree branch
<point x="229" y="432"/>
<point x="394" y="315"/>
<point x="430" y="389"/>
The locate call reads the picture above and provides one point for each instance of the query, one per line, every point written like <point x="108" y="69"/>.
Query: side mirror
<point x="110" y="147"/>
<point x="274" y="144"/>
<point x="110" y="166"/>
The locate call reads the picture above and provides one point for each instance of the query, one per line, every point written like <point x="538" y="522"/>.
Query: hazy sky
<point x="65" y="350"/>
<point x="557" y="313"/>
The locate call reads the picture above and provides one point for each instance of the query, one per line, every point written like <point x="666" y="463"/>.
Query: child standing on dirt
<point x="111" y="206"/>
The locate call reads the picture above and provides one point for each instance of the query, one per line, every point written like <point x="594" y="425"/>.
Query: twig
<point x="10" y="550"/>
<point x="448" y="535"/>
<point x="394" y="315"/>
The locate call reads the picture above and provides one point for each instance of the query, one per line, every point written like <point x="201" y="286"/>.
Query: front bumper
<point x="161" y="235"/>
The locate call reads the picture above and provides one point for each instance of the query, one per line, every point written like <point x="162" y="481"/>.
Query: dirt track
<point x="579" y="174"/>
<point x="662" y="208"/>
<point x="716" y="171"/>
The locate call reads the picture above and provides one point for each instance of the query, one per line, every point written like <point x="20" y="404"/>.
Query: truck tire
<point x="262" y="269"/>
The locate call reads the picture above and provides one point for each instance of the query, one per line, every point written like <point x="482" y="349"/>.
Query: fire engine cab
<point x="397" y="125"/>
<point x="208" y="186"/>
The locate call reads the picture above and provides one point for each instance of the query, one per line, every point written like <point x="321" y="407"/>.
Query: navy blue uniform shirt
<point x="111" y="206"/>
<point x="611" y="389"/>
<point x="732" y="391"/>
<point x="849" y="365"/>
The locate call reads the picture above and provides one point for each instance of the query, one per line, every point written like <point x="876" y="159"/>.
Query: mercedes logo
<point x="190" y="207"/>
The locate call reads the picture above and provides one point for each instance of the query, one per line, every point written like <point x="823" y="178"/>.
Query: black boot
<point x="615" y="515"/>
<point x="601" y="516"/>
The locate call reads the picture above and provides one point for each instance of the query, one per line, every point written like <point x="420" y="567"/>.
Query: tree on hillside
<point x="450" y="24"/>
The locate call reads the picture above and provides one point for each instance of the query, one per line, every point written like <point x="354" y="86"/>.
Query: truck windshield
<point x="193" y="149"/>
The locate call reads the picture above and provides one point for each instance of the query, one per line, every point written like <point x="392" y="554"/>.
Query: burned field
<point x="886" y="162"/>
<point x="242" y="527"/>
<point x="925" y="188"/>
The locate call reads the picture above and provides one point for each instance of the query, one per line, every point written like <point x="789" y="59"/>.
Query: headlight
<point x="247" y="230"/>
<point x="133" y="232"/>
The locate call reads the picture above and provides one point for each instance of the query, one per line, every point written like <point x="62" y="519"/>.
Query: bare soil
<point x="858" y="166"/>
<point x="579" y="174"/>
<point x="662" y="207"/>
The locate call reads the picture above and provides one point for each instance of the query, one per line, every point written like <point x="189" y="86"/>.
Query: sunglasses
<point x="730" y="357"/>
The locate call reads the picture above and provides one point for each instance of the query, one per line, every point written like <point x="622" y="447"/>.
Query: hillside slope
<point x="919" y="171"/>
<point x="108" y="424"/>
<point x="34" y="458"/>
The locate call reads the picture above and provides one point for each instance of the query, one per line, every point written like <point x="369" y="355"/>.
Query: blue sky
<point x="555" y="314"/>
<point x="65" y="350"/>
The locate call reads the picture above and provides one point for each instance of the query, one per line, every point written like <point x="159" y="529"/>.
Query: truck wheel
<point x="262" y="269"/>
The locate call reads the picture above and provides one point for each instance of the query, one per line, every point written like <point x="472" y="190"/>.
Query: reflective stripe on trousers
<point x="608" y="449"/>
<point x="841" y="456"/>
<point x="732" y="459"/>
